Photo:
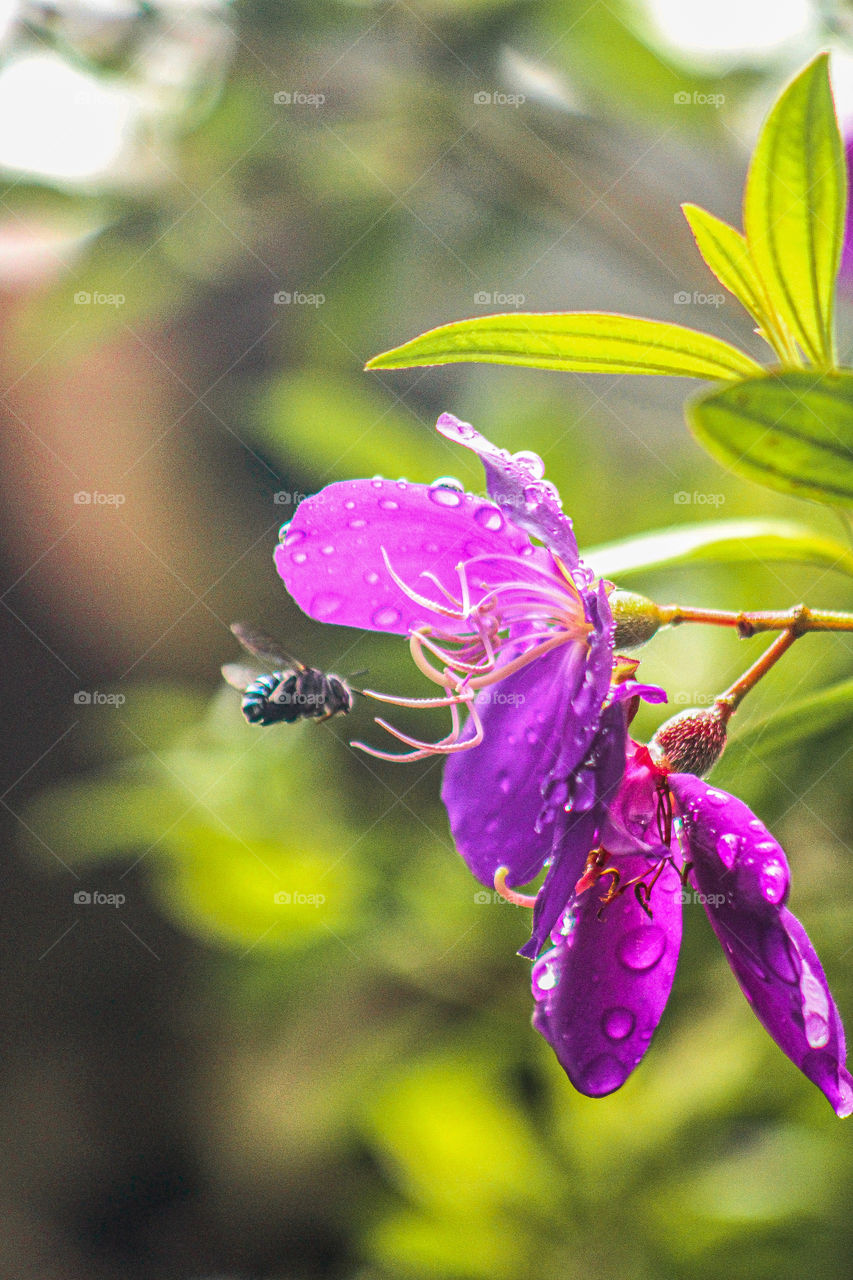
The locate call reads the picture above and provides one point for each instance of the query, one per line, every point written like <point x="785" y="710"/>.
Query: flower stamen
<point x="511" y="895"/>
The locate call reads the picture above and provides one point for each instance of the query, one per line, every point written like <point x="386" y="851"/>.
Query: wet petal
<point x="578" y="831"/>
<point x="331" y="554"/>
<point x="743" y="875"/>
<point x="516" y="483"/>
<point x="601" y="990"/>
<point x="494" y="793"/>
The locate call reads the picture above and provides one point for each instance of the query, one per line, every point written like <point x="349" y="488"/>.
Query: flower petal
<point x="330" y="556"/>
<point x="743" y="874"/>
<point x="493" y="792"/>
<point x="577" y="830"/>
<point x="515" y="482"/>
<point x="602" y="989"/>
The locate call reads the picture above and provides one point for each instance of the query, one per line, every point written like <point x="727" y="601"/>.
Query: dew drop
<point x="377" y="482"/>
<point x="371" y="578"/>
<point x="531" y="463"/>
<point x="817" y="1029"/>
<point x="728" y="847"/>
<point x="349" y="505"/>
<point x="448" y="482"/>
<point x="531" y="736"/>
<point x="490" y="518"/>
<point x="617" y="1023"/>
<point x="755" y="824"/>
<point x="388" y="504"/>
<point x="546" y="975"/>
<point x="718" y="798"/>
<point x="773" y="879"/>
<point x="815" y="1009"/>
<point x="325" y="604"/>
<point x="386" y="617"/>
<point x="356" y="524"/>
<point x="642" y="948"/>
<point x="445" y="497"/>
<point x="291" y="539"/>
<point x="504" y="782"/>
<point x="532" y="494"/>
<point x="283" y="532"/>
<point x="298" y="557"/>
<point x="602" y="1075"/>
<point x="328" y="550"/>
<point x="402" y="483"/>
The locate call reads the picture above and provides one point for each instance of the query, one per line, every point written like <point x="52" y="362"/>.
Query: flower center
<point x="488" y="637"/>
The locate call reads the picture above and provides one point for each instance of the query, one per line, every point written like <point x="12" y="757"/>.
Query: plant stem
<point x="800" y="619"/>
<point x="729" y="701"/>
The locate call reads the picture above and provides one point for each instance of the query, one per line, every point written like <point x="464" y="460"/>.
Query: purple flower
<point x="513" y="632"/>
<point x="602" y="988"/>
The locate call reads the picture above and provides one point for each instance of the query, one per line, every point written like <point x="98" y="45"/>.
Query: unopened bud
<point x="692" y="741"/>
<point x="637" y="619"/>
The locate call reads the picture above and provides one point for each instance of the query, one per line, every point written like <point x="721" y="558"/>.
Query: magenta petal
<point x="601" y="990"/>
<point x="742" y="873"/>
<point x="331" y="555"/>
<point x="493" y="792"/>
<point x="515" y="482"/>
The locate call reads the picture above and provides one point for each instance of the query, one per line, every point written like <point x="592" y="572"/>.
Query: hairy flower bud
<point x="693" y="740"/>
<point x="637" y="619"/>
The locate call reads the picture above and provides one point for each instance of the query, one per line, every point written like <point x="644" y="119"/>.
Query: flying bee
<point x="290" y="692"/>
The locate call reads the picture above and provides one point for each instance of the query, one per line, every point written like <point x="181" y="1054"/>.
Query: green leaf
<point x="816" y="716"/>
<point x="790" y="431"/>
<point x="579" y="341"/>
<point x="719" y="542"/>
<point x="727" y="254"/>
<point x="794" y="209"/>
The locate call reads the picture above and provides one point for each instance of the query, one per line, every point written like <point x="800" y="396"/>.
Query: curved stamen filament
<point x="446" y="746"/>
<point x="510" y="895"/>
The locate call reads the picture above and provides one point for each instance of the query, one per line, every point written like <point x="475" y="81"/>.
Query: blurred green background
<point x="212" y="214"/>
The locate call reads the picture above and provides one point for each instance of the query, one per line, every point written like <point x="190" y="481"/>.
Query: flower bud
<point x="637" y="619"/>
<point x="693" y="740"/>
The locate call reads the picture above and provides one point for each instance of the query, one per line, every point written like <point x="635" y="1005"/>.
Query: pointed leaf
<point x="794" y="209"/>
<point x="792" y="431"/>
<point x="718" y="542"/>
<point x="727" y="254"/>
<point x="585" y="342"/>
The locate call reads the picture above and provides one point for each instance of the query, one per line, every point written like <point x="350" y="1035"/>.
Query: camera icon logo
<point x="482" y="99"/>
<point x="482" y="896"/>
<point x="482" y="299"/>
<point x="82" y="297"/>
<point x="82" y="698"/>
<point x="682" y="498"/>
<point x="282" y="899"/>
<point x="82" y="498"/>
<point x="682" y="298"/>
<point x="282" y="99"/>
<point x="82" y="897"/>
<point x="281" y="298"/>
<point x="682" y="99"/>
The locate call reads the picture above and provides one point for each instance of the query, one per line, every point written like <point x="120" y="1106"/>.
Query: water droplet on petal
<point x="773" y="879"/>
<point x="371" y="578"/>
<point x="328" y="550"/>
<point x="617" y="1023"/>
<point x="490" y="518"/>
<point x="430" y="548"/>
<point x="728" y="847"/>
<point x="325" y="604"/>
<point x="377" y="482"/>
<point x="532" y="494"/>
<point x="402" y="483"/>
<point x="291" y="539"/>
<point x="356" y="524"/>
<point x="546" y="974"/>
<point x="448" y="482"/>
<point x="755" y="824"/>
<point x="718" y="798"/>
<point x="504" y="782"/>
<point x="386" y="617"/>
<point x="349" y="504"/>
<point x="444" y="495"/>
<point x="388" y="504"/>
<point x="602" y="1075"/>
<point x="298" y="557"/>
<point x="815" y="1009"/>
<point x="642" y="948"/>
<point x="531" y="736"/>
<point x="531" y="462"/>
<point x="282" y="533"/>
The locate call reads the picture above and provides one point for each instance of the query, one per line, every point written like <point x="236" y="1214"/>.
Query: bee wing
<point x="263" y="647"/>
<point x="238" y="675"/>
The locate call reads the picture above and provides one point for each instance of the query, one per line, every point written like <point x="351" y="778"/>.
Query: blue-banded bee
<point x="290" y="692"/>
